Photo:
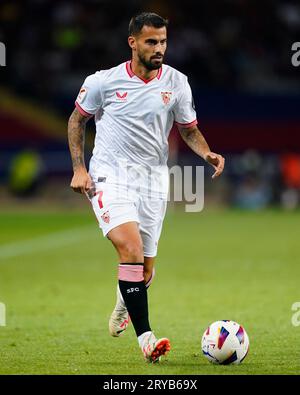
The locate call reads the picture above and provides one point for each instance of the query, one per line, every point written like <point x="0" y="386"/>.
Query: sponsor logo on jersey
<point x="106" y="217"/>
<point x="121" y="96"/>
<point x="166" y="97"/>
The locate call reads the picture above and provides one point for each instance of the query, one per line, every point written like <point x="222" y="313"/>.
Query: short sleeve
<point x="89" y="99"/>
<point x="184" y="110"/>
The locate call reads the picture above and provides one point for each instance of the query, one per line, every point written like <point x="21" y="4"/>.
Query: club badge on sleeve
<point x="81" y="95"/>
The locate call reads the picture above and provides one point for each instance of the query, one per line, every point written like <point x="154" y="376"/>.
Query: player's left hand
<point x="217" y="161"/>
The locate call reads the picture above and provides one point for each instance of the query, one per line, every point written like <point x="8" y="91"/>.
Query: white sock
<point x="142" y="337"/>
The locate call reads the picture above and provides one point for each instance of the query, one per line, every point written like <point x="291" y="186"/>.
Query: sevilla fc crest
<point x="166" y="97"/>
<point x="105" y="216"/>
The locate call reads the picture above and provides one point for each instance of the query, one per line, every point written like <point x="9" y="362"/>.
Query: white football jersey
<point x="133" y="120"/>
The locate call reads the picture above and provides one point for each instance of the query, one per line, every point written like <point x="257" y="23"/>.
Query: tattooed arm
<point x="196" y="141"/>
<point x="81" y="181"/>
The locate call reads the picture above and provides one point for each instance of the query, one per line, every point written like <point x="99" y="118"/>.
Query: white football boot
<point x="153" y="348"/>
<point x="119" y="318"/>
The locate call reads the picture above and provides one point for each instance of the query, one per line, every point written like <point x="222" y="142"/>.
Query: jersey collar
<point x="132" y="74"/>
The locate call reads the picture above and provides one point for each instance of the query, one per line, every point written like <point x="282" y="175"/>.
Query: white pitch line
<point x="48" y="241"/>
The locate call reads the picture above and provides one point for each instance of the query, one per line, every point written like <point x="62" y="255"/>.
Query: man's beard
<point x="151" y="64"/>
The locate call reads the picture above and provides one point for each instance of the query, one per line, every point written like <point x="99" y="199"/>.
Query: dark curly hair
<point x="145" y="18"/>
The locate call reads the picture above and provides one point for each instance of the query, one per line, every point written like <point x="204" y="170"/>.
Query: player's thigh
<point x="151" y="216"/>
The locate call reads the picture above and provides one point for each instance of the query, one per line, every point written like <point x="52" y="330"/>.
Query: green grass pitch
<point x="58" y="282"/>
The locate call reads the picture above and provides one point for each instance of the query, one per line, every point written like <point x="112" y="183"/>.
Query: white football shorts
<point x="115" y="204"/>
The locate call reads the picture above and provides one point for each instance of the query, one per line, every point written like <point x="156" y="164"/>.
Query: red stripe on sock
<point x="134" y="273"/>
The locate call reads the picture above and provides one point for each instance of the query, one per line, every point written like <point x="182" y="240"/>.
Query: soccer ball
<point x="225" y="342"/>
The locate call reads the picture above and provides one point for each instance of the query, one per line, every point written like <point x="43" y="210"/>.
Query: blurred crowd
<point x="231" y="44"/>
<point x="251" y="181"/>
<point x="240" y="47"/>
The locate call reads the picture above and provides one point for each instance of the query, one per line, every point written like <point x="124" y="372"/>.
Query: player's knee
<point x="132" y="252"/>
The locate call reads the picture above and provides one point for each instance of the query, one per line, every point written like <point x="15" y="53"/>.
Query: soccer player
<point x="134" y="106"/>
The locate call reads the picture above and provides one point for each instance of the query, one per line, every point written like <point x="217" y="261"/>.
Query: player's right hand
<point x="82" y="182"/>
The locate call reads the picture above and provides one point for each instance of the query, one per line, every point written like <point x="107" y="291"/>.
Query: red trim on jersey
<point x="159" y="73"/>
<point x="128" y="68"/>
<point x="131" y="73"/>
<point x="81" y="110"/>
<point x="187" y="125"/>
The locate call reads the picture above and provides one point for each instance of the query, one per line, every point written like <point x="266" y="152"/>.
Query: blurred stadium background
<point x="237" y="55"/>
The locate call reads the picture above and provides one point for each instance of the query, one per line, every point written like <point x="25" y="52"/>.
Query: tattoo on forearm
<point x="76" y="132"/>
<point x="195" y="140"/>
